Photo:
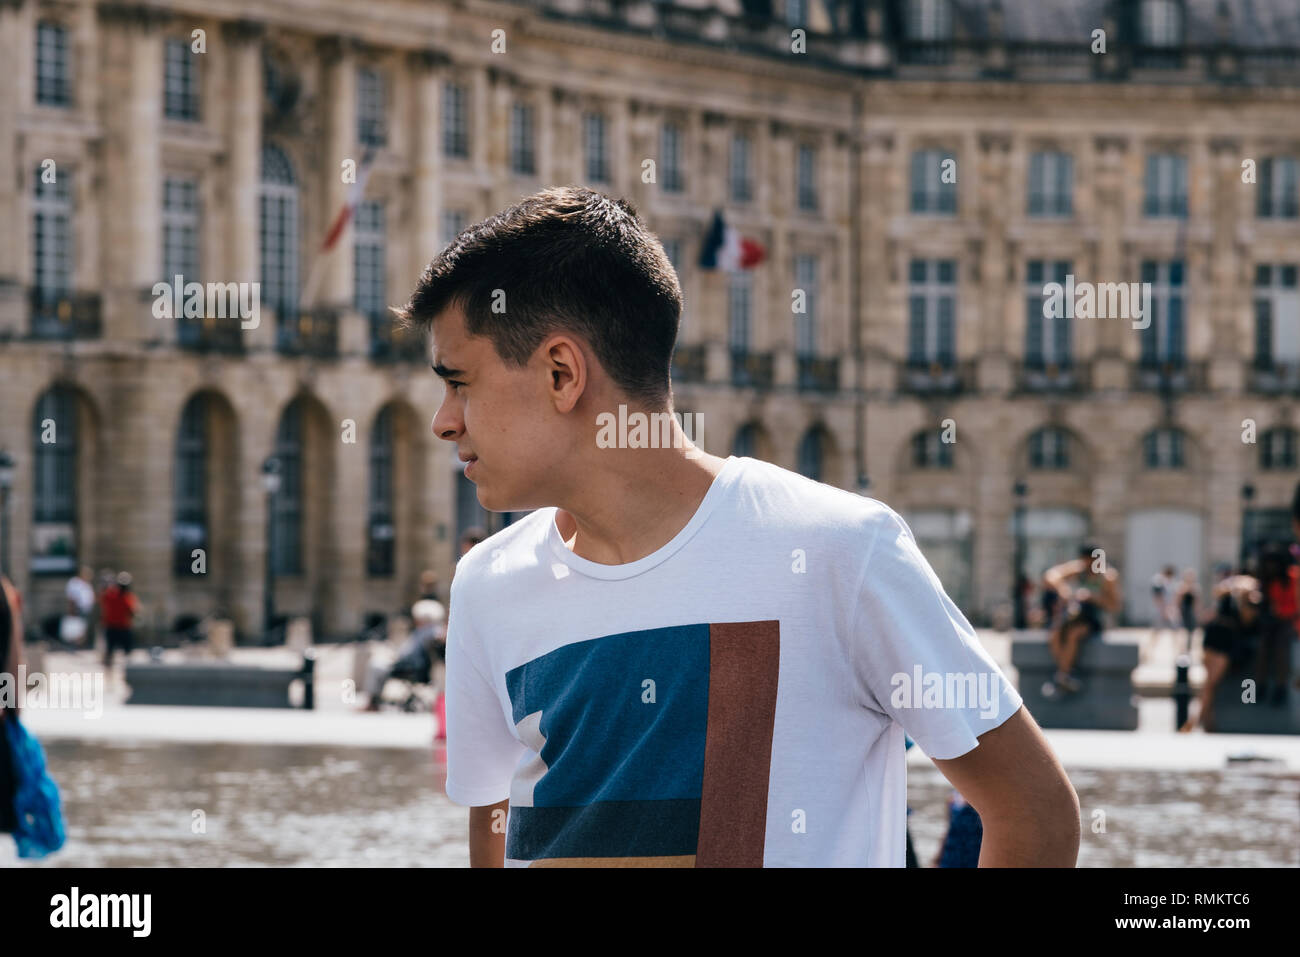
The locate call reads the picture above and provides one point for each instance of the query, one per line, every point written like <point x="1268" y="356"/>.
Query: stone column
<point x="1110" y="367"/>
<point x="1229" y="295"/>
<point x="132" y="261"/>
<point x="427" y="68"/>
<point x="242" y="45"/>
<point x="566" y="132"/>
<point x="338" y="59"/>
<point x="992" y="187"/>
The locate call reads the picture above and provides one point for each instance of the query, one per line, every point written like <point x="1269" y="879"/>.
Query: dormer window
<point x="1162" y="23"/>
<point x="929" y="21"/>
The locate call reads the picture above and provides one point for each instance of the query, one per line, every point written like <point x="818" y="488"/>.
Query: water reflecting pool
<point x="182" y="805"/>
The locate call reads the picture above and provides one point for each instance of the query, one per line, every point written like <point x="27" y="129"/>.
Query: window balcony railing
<point x="939" y="376"/>
<point x="1169" y="376"/>
<point x="313" y="332"/>
<point x="690" y="363"/>
<point x="751" y="369"/>
<point x="1047" y="377"/>
<point x="65" y="316"/>
<point x="392" y="343"/>
<point x="210" y="334"/>
<point x="818" y="374"/>
<point x="1275" y="378"/>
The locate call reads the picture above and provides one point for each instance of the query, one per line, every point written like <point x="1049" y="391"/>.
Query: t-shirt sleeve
<point x="482" y="750"/>
<point x="919" y="659"/>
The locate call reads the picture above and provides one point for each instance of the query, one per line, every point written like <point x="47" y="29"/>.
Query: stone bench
<point x="1107" y="701"/>
<point x="214" y="684"/>
<point x="1233" y="716"/>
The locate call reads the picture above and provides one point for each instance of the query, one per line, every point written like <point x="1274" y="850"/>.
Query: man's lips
<point x="468" y="458"/>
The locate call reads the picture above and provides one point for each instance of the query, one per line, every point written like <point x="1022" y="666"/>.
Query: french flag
<point x="726" y="249"/>
<point x="355" y="195"/>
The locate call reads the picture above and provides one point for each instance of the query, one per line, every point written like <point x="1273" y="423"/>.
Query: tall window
<point x="742" y="179"/>
<point x="370" y="288"/>
<point x="1163" y="449"/>
<point x="190" y="515"/>
<point x="52" y="234"/>
<point x="523" y="151"/>
<point x="1162" y="23"/>
<point x="1277" y="449"/>
<point x="1277" y="316"/>
<point x="929" y="20"/>
<point x="746" y="443"/>
<point x="453" y="222"/>
<point x="286" y="504"/>
<point x="1049" y="448"/>
<point x="796" y="13"/>
<point x="1275" y="189"/>
<point x="806" y="177"/>
<point x="812" y="454"/>
<point x="670" y="158"/>
<point x="455" y="121"/>
<point x="932" y="313"/>
<point x="1166" y="185"/>
<point x="1051" y="184"/>
<point x="805" y="324"/>
<point x="180" y="84"/>
<point x="53" y="84"/>
<point x="1047" y="340"/>
<point x="371" y="108"/>
<point x="596" y="147"/>
<point x="54" y="483"/>
<point x="934" y="186"/>
<point x="180" y="228"/>
<point x="381" y="527"/>
<point x="1163" y="340"/>
<point x="739" y="304"/>
<point x="930" y="451"/>
<point x="278" y="227"/>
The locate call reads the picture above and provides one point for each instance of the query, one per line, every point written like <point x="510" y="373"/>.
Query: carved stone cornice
<point x="139" y="15"/>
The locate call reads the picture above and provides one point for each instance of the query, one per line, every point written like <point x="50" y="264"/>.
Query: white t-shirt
<point x="738" y="697"/>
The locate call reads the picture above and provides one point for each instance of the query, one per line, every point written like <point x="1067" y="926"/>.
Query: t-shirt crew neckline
<point x="721" y="482"/>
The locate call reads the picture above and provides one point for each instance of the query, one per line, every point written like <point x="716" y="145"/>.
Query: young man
<point x="680" y="659"/>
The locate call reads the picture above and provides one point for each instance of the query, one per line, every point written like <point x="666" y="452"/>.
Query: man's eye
<point x="454" y="385"/>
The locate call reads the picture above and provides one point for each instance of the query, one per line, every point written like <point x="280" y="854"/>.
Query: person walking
<point x="677" y="659"/>
<point x="119" y="607"/>
<point x="78" y="625"/>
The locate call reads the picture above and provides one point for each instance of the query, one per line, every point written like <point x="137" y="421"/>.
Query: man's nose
<point x="446" y="424"/>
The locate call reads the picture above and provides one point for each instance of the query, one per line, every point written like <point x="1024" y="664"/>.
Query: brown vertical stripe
<point x="743" y="662"/>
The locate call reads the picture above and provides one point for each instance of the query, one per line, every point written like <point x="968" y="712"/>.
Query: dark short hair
<point x="568" y="259"/>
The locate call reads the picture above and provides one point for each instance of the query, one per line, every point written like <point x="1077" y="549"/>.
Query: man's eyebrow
<point x="445" y="373"/>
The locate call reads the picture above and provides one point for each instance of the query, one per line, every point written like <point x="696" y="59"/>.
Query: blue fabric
<point x="36" y="800"/>
<point x="961" y="848"/>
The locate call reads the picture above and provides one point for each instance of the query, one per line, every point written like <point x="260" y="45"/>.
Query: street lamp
<point x="1247" y="495"/>
<point x="271" y="484"/>
<point x="1020" y="490"/>
<point x="6" y="483"/>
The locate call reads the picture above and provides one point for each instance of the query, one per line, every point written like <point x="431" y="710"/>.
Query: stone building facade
<point x="918" y="171"/>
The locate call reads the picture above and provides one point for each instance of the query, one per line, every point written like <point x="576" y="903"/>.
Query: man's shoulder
<point x="805" y="500"/>
<point x="510" y="549"/>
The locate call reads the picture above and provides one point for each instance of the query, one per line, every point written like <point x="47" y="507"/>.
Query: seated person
<point x="427" y="644"/>
<point x="1086" y="595"/>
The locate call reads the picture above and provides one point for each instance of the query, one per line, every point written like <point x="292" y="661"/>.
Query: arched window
<point x="1049" y="448"/>
<point x="278" y="235"/>
<point x="286" y="505"/>
<point x="746" y="443"/>
<point x="1163" y="449"/>
<point x="54" y="483"/>
<point x="812" y="454"/>
<point x="929" y="451"/>
<point x="190" y="513"/>
<point x="381" y="528"/>
<point x="1277" y="449"/>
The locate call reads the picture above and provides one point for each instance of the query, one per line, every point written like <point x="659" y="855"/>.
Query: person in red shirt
<point x="1280" y="582"/>
<point x="119" y="606"/>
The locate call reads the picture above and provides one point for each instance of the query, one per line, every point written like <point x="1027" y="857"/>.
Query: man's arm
<point x="487" y="835"/>
<point x="1028" y="806"/>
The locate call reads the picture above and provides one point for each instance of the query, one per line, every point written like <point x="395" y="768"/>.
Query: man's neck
<point x="637" y="504"/>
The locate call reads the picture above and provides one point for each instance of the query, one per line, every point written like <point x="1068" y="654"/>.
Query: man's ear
<point x="566" y="371"/>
